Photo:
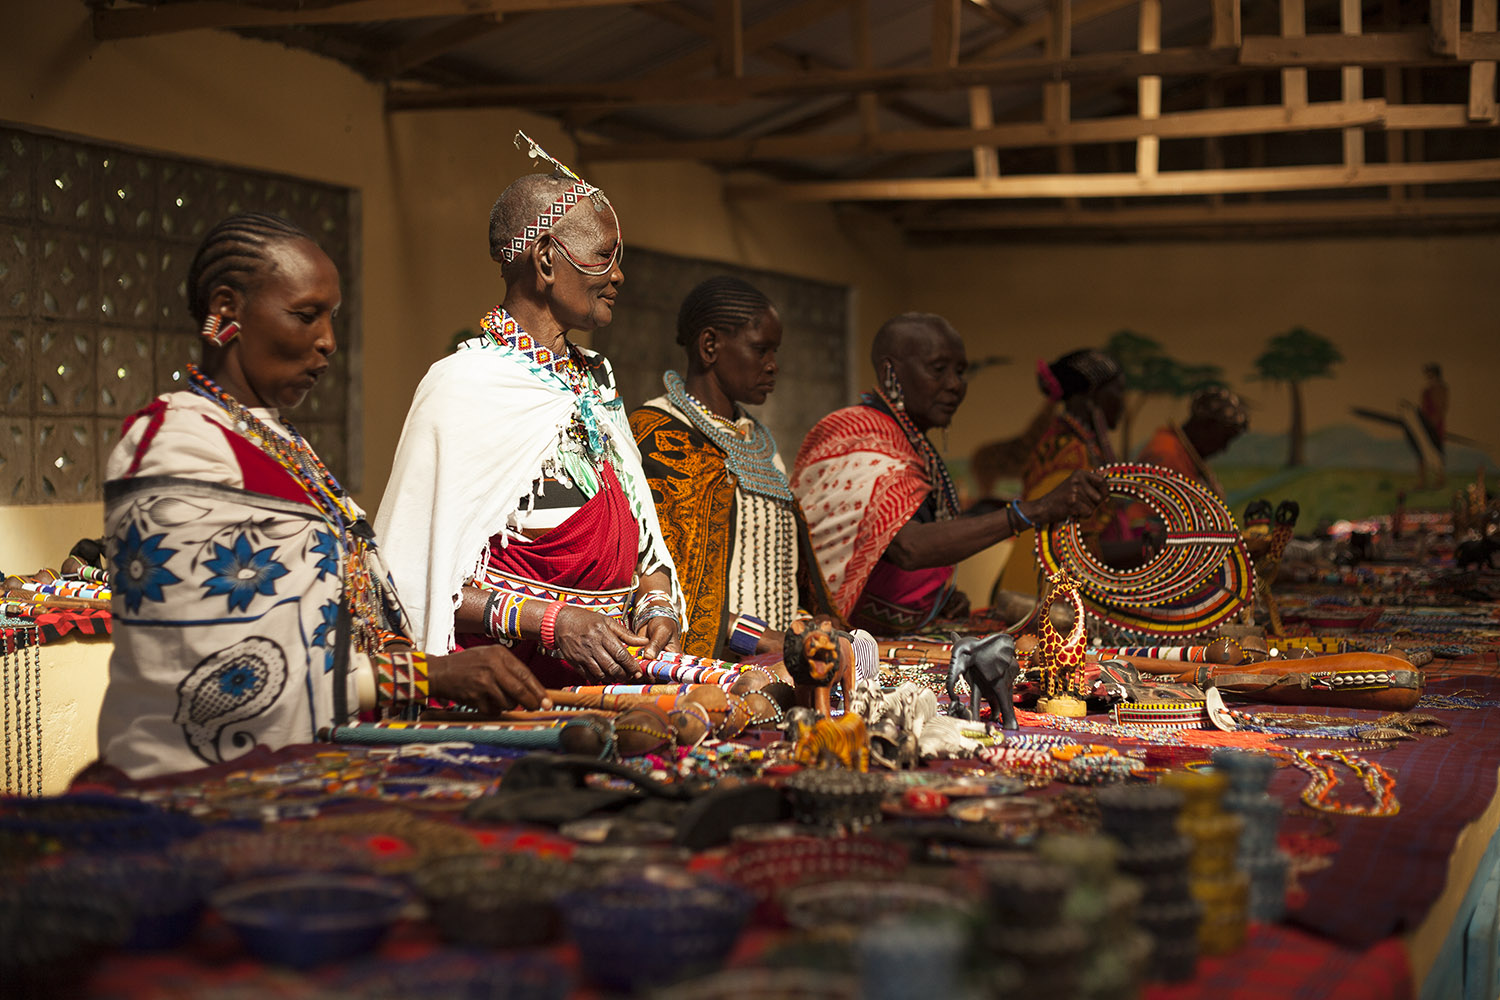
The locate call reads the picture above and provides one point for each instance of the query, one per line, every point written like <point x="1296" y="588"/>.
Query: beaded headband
<point x="553" y="213"/>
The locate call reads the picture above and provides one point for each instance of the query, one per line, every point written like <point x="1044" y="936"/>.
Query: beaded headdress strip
<point x="553" y="213"/>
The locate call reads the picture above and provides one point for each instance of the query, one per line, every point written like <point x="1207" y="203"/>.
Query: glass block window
<point x="95" y="243"/>
<point x="813" y="362"/>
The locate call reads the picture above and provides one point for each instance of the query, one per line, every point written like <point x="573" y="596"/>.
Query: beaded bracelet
<point x="502" y="615"/>
<point x="549" y="624"/>
<point x="400" y="677"/>
<point x="745" y="633"/>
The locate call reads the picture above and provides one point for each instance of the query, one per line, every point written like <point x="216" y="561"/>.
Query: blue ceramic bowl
<point x="643" y="932"/>
<point x="306" y="920"/>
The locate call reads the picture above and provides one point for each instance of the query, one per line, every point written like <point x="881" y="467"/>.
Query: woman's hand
<point x="489" y="678"/>
<point x="661" y="634"/>
<point x="1077" y="496"/>
<point x="595" y="644"/>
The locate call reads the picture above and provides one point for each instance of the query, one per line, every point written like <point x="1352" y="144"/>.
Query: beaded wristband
<point x="400" y="677"/>
<point x="651" y="612"/>
<point x="491" y="617"/>
<point x="549" y="624"/>
<point x="502" y="615"/>
<point x="745" y="633"/>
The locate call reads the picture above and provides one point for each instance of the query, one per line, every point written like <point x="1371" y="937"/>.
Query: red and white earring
<point x="217" y="331"/>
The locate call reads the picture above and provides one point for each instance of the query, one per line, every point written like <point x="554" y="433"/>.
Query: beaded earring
<point x="893" y="388"/>
<point x="217" y="332"/>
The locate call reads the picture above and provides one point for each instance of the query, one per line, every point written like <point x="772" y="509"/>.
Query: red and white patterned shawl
<point x="859" y="481"/>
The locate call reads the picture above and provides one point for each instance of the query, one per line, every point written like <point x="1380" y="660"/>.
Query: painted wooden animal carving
<point x="1061" y="656"/>
<point x="1267" y="565"/>
<point x="841" y="742"/>
<point x="989" y="664"/>
<point x="818" y="655"/>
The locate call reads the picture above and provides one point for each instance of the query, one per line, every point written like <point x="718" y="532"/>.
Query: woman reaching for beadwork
<point x="250" y="602"/>
<point x="1091" y="387"/>
<point x="517" y="512"/>
<point x="735" y="530"/>
<point x="882" y="509"/>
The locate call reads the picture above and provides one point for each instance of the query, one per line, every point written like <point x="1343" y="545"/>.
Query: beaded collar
<point x="295" y="456"/>
<point x="750" y="460"/>
<point x="937" y="469"/>
<point x="563" y="369"/>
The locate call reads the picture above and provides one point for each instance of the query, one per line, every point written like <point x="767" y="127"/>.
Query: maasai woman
<point x="1091" y="388"/>
<point x="881" y="507"/>
<point x="736" y="533"/>
<point x="517" y="511"/>
<point x="249" y="598"/>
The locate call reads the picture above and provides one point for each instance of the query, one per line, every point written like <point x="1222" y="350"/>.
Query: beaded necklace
<point x="937" y="469"/>
<point x="1323" y="780"/>
<point x="292" y="454"/>
<point x="328" y="496"/>
<point x="561" y="369"/>
<point x="751" y="460"/>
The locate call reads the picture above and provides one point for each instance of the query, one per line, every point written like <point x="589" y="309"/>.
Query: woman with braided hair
<point x="250" y="602"/>
<point x="727" y="511"/>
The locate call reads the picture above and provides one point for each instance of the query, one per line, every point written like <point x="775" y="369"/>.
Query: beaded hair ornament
<point x="553" y="213"/>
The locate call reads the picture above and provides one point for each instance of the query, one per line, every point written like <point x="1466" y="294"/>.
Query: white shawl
<point x="481" y="426"/>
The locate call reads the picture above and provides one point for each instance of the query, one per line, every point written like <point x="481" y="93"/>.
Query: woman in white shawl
<point x="251" y="606"/>
<point x="517" y="512"/>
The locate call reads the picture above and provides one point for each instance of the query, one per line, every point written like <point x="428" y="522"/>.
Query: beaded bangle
<point x="745" y="633"/>
<point x="654" y="611"/>
<point x="400" y="677"/>
<point x="549" y="625"/>
<point x="502" y="615"/>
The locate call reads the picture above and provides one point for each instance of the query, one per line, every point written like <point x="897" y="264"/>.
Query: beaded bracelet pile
<point x="400" y="677"/>
<point x="653" y="604"/>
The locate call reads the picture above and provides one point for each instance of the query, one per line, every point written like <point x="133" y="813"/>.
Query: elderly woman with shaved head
<point x="517" y="511"/>
<point x="880" y="505"/>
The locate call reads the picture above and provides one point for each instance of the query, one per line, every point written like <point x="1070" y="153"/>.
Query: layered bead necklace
<point x="1323" y="779"/>
<point x="937" y="469"/>
<point x="329" y="497"/>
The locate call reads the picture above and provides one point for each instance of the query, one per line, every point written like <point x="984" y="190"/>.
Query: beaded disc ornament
<point x="1199" y="579"/>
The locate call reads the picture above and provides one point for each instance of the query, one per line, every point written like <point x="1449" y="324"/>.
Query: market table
<point x="1376" y="907"/>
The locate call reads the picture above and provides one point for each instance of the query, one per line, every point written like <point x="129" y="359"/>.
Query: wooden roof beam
<point x="1123" y="128"/>
<point x="159" y="19"/>
<point x="428" y="46"/>
<point x="1257" y="53"/>
<point x="1180" y="216"/>
<point x="1167" y="184"/>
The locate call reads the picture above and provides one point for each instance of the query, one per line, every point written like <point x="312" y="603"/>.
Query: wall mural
<point x="1389" y="451"/>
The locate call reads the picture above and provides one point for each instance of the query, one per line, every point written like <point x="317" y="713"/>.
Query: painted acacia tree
<point x="1291" y="359"/>
<point x="1150" y="371"/>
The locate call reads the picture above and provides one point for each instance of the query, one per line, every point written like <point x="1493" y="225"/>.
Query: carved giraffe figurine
<point x="1267" y="565"/>
<point x="1061" y="655"/>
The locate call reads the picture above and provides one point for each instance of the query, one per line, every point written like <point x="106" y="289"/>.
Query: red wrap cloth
<point x="597" y="548"/>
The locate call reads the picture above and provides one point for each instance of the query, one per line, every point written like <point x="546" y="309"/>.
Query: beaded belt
<point x="1161" y="714"/>
<point x="612" y="603"/>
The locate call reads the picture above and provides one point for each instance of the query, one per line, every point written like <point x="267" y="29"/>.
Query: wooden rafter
<point x="426" y="47"/>
<point x="1170" y="183"/>
<point x="1254" y="55"/>
<point x="1174" y="216"/>
<point x="160" y="19"/>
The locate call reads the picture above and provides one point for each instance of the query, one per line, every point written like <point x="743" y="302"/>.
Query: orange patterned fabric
<point x="695" y="502"/>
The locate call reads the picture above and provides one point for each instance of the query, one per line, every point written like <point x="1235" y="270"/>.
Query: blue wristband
<point x="1015" y="505"/>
